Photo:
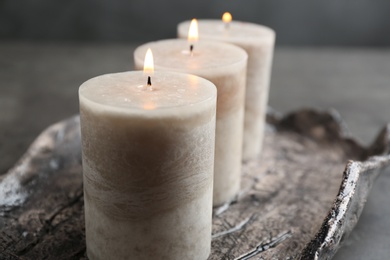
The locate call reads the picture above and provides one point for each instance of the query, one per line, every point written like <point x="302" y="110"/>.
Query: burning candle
<point x="225" y="66"/>
<point x="258" y="41"/>
<point x="148" y="157"/>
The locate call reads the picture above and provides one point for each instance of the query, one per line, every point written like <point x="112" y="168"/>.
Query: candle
<point x="258" y="41"/>
<point x="225" y="66"/>
<point x="148" y="157"/>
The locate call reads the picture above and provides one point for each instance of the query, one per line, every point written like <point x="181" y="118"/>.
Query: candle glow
<point x="148" y="63"/>
<point x="149" y="106"/>
<point x="227" y="18"/>
<point x="193" y="34"/>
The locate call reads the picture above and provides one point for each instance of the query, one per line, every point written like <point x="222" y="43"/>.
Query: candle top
<point x="217" y="29"/>
<point x="175" y="54"/>
<point x="129" y="90"/>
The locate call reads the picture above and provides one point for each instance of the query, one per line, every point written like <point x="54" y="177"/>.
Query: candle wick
<point x="149" y="81"/>
<point x="191" y="48"/>
<point x="227" y="25"/>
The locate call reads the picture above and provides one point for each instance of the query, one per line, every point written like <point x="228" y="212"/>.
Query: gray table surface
<point x="39" y="83"/>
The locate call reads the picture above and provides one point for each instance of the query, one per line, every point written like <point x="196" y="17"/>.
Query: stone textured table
<point x="39" y="82"/>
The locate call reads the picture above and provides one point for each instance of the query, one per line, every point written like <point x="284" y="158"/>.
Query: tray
<point x="298" y="200"/>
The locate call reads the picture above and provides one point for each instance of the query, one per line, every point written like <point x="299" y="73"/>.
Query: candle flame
<point x="193" y="34"/>
<point x="149" y="63"/>
<point x="227" y="17"/>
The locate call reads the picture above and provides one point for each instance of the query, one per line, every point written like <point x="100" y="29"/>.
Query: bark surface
<point x="298" y="200"/>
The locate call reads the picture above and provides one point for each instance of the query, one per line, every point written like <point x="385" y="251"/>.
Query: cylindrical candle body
<point x="225" y="66"/>
<point x="258" y="41"/>
<point x="148" y="158"/>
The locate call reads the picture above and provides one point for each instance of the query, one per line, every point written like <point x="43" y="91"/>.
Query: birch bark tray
<point x="299" y="200"/>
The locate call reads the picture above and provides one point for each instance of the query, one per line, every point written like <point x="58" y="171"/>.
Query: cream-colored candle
<point x="225" y="66"/>
<point x="258" y="41"/>
<point x="148" y="158"/>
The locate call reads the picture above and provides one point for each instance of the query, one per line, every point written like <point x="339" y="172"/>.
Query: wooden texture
<point x="295" y="201"/>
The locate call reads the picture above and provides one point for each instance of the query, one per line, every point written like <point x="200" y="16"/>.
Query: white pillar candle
<point x="225" y="66"/>
<point x="258" y="41"/>
<point x="148" y="158"/>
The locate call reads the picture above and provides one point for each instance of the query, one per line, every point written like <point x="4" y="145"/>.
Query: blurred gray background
<point x="297" y="22"/>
